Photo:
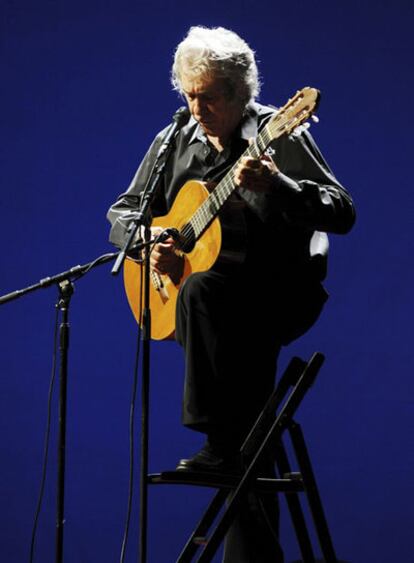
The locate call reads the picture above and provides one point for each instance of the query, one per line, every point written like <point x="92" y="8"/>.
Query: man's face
<point x="210" y="105"/>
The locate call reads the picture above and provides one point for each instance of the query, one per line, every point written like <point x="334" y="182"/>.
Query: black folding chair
<point x="274" y="420"/>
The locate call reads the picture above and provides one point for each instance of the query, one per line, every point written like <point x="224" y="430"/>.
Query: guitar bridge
<point x="159" y="286"/>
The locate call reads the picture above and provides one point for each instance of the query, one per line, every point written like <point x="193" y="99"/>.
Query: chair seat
<point x="221" y="481"/>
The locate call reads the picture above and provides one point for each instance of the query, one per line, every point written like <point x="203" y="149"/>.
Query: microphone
<point x="180" y="118"/>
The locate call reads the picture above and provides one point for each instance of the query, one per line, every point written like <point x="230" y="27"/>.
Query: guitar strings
<point x="209" y="208"/>
<point x="206" y="212"/>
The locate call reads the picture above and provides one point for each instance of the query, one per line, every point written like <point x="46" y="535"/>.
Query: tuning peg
<point x="315" y="118"/>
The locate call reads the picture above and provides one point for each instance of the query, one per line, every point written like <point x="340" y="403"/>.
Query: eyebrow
<point x="202" y="93"/>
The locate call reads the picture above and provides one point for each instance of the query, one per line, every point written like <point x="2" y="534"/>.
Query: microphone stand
<point x="66" y="289"/>
<point x="143" y="218"/>
<point x="64" y="281"/>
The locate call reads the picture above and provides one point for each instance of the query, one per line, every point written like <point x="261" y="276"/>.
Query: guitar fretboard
<point x="209" y="210"/>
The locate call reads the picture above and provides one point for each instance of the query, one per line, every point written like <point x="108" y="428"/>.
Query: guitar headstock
<point x="295" y="112"/>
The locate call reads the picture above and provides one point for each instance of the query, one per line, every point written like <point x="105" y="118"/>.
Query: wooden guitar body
<point x="163" y="291"/>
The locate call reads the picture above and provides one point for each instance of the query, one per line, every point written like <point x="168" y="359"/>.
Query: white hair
<point x="221" y="53"/>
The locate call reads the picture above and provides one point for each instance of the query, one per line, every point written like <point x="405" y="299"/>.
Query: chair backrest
<point x="296" y="370"/>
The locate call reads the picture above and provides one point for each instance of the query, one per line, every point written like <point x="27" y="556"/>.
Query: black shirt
<point x="307" y="200"/>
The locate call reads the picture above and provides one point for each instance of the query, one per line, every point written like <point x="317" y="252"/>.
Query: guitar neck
<point x="209" y="210"/>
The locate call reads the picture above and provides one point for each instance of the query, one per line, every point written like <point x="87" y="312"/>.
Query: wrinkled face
<point x="210" y="104"/>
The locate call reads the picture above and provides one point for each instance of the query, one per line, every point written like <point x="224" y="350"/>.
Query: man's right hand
<point x="164" y="258"/>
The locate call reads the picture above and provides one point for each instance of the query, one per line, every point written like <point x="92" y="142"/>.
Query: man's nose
<point x="199" y="108"/>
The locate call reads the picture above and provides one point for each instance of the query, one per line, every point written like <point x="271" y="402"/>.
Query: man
<point x="233" y="319"/>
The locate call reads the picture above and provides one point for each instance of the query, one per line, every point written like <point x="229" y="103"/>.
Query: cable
<point x="131" y="430"/>
<point x="101" y="258"/>
<point x="47" y="437"/>
<point x="132" y="409"/>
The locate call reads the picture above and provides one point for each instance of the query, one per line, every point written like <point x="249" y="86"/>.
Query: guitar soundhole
<point x="187" y="238"/>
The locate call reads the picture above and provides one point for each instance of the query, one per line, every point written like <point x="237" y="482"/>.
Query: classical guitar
<point x="194" y="215"/>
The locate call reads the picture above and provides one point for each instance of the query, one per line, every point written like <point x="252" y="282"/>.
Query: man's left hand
<point x="256" y="174"/>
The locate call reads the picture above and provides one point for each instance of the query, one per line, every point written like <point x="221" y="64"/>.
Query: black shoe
<point x="208" y="461"/>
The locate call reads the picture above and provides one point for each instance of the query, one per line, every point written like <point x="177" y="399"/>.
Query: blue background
<point x="84" y="88"/>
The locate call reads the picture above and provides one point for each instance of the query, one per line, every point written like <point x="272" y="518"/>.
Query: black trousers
<point x="230" y="356"/>
<point x="232" y="328"/>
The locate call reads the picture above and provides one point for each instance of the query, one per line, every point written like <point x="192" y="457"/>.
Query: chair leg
<point x="295" y="508"/>
<point x="198" y="538"/>
<point x="312" y="493"/>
